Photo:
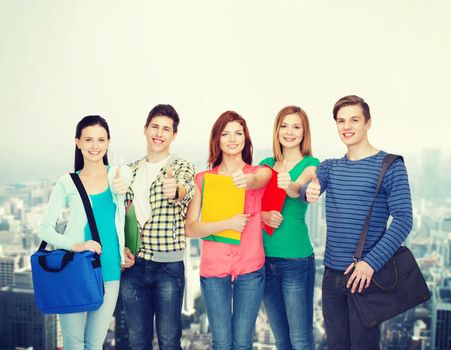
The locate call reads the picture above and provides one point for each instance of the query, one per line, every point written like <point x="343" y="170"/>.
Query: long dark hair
<point x="215" y="154"/>
<point x="89" y="120"/>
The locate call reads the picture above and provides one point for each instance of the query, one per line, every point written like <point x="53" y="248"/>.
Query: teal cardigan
<point x="65" y="193"/>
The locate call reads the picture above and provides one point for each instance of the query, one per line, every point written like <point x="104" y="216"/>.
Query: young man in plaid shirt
<point x="161" y="189"/>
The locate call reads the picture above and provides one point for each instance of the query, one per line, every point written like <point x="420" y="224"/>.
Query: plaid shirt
<point x="163" y="235"/>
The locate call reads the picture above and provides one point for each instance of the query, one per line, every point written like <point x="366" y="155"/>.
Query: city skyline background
<point x="62" y="60"/>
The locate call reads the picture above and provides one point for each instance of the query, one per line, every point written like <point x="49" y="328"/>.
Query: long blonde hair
<point x="305" y="145"/>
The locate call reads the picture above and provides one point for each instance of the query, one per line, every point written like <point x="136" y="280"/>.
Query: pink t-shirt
<point x="219" y="259"/>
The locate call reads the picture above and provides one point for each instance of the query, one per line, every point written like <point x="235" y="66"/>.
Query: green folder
<point x="132" y="237"/>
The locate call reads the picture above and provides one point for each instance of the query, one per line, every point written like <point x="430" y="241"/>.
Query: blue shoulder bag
<point x="65" y="281"/>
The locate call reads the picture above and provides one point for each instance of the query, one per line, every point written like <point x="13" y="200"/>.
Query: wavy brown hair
<point x="215" y="154"/>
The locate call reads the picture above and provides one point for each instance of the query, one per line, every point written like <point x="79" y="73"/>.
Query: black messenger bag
<point x="397" y="287"/>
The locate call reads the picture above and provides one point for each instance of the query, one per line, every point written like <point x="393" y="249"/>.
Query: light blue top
<point x="65" y="193"/>
<point x="104" y="212"/>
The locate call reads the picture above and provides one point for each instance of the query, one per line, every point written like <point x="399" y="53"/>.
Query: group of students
<point x="278" y="270"/>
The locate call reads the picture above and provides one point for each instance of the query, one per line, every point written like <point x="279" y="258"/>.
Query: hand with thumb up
<point x="240" y="179"/>
<point x="119" y="186"/>
<point x="169" y="184"/>
<point x="283" y="177"/>
<point x="313" y="189"/>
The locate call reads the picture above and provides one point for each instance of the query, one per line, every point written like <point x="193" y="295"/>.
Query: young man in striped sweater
<point x="350" y="183"/>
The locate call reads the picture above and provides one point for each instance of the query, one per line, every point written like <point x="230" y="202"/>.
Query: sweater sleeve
<point x="399" y="205"/>
<point x="46" y="230"/>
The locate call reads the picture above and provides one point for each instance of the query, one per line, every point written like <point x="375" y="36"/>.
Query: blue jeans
<point x="288" y="301"/>
<point x="151" y="289"/>
<point x="344" y="329"/>
<point x="232" y="308"/>
<point x="87" y="330"/>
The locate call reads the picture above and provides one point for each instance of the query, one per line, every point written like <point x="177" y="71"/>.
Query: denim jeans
<point x="344" y="329"/>
<point x="87" y="330"/>
<point x="232" y="308"/>
<point x="288" y="301"/>
<point x="153" y="289"/>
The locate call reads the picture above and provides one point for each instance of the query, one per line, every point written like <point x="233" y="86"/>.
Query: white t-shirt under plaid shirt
<point x="145" y="176"/>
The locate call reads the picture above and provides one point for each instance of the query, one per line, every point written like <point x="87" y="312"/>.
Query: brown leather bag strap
<point x="388" y="160"/>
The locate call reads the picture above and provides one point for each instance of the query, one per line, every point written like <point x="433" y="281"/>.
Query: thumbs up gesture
<point x="239" y="178"/>
<point x="283" y="177"/>
<point x="119" y="186"/>
<point x="313" y="189"/>
<point x="169" y="184"/>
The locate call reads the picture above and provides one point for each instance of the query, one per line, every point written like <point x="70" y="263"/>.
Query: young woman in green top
<point x="290" y="263"/>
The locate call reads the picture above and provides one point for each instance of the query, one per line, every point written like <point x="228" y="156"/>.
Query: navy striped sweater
<point x="350" y="187"/>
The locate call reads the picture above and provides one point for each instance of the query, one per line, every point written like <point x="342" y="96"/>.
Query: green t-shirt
<point x="291" y="239"/>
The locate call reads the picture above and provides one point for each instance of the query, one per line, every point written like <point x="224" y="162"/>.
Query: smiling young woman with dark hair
<point x="105" y="186"/>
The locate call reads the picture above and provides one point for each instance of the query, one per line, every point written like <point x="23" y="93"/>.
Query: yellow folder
<point x="221" y="200"/>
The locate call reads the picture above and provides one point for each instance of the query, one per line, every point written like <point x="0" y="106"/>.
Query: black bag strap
<point x="388" y="160"/>
<point x="88" y="210"/>
<point x="67" y="257"/>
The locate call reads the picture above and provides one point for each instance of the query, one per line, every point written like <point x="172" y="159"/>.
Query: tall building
<point x="9" y="264"/>
<point x="445" y="224"/>
<point x="430" y="159"/>
<point x="15" y="206"/>
<point x="441" y="318"/>
<point x="445" y="249"/>
<point x="21" y="323"/>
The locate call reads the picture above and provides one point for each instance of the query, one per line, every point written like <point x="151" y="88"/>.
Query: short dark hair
<point x="165" y="111"/>
<point x="89" y="120"/>
<point x="352" y="100"/>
